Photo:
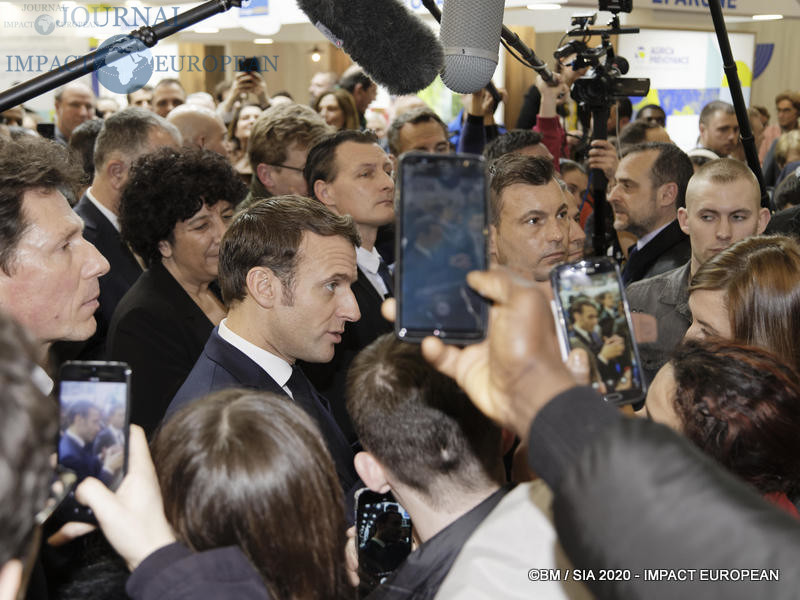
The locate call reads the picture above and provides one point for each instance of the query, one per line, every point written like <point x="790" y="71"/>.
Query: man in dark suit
<point x="75" y="445"/>
<point x="606" y="353"/>
<point x="286" y="265"/>
<point x="650" y="186"/>
<point x="351" y="174"/>
<point x="125" y="136"/>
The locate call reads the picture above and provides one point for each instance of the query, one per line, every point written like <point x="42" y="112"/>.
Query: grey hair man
<point x="124" y="137"/>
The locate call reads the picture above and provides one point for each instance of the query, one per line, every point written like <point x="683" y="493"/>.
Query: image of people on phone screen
<point x="384" y="541"/>
<point x="92" y="440"/>
<point x="596" y="326"/>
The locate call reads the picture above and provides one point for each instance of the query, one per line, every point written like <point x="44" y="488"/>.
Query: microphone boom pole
<point x="735" y="86"/>
<point x="147" y="35"/>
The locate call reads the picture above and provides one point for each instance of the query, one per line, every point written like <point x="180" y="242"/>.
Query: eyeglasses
<point x="298" y="169"/>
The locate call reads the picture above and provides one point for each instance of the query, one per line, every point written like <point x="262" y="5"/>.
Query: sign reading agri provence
<point x="685" y="71"/>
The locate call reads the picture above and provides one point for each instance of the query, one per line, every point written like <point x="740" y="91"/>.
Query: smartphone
<point x="94" y="402"/>
<point x="383" y="537"/>
<point x="442" y="232"/>
<point x="592" y="313"/>
<point x="248" y="65"/>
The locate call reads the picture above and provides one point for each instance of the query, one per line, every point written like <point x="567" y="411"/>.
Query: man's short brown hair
<point x="791" y="96"/>
<point x="726" y="170"/>
<point x="279" y="127"/>
<point x="29" y="163"/>
<point x="423" y="114"/>
<point x="321" y="162"/>
<point x="418" y="423"/>
<point x="268" y="234"/>
<point x="513" y="168"/>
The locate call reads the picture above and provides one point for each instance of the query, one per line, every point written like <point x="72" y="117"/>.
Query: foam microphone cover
<point x="393" y="46"/>
<point x="470" y="34"/>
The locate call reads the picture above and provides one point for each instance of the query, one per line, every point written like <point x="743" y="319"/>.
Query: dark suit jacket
<point x="330" y="378"/>
<point x="113" y="285"/>
<point x="666" y="297"/>
<point x="81" y="460"/>
<point x="668" y="250"/>
<point x="222" y="366"/>
<point x="160" y="332"/>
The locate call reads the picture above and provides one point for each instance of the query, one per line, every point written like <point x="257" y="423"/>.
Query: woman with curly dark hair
<point x="174" y="209"/>
<point x="740" y="405"/>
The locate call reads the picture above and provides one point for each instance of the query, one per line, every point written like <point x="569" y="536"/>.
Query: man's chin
<point x="82" y="332"/>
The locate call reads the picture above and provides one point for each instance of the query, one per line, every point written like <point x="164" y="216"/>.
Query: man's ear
<point x="667" y="194"/>
<point x="117" y="171"/>
<point x="10" y="579"/>
<point x="763" y="220"/>
<point x="493" y="243"/>
<point x="264" y="287"/>
<point x="264" y="174"/>
<point x="371" y="472"/>
<point x="683" y="220"/>
<point x="322" y="192"/>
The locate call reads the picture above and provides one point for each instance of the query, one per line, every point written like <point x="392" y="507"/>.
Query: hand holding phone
<point x="383" y="537"/>
<point x="94" y="400"/>
<point x="592" y="313"/>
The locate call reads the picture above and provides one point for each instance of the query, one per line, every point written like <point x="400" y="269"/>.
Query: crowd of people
<point x="236" y="250"/>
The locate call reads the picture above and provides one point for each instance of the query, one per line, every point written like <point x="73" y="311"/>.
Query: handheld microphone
<point x="393" y="46"/>
<point x="470" y="34"/>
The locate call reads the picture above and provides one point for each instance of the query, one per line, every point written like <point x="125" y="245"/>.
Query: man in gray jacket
<point x="723" y="206"/>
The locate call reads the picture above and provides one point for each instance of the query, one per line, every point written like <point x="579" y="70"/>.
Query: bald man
<point x="723" y="206"/>
<point x="199" y="126"/>
<point x="74" y="104"/>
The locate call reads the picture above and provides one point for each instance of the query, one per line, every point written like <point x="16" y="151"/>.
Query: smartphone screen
<point x="94" y="407"/>
<point x="383" y="536"/>
<point x="442" y="236"/>
<point x="592" y="313"/>
<point x="250" y="64"/>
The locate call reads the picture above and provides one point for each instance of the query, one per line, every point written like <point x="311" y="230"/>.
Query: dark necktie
<point x="626" y="271"/>
<point x="302" y="392"/>
<point x="386" y="276"/>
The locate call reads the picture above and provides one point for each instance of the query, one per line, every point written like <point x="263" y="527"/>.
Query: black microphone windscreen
<point x="470" y="35"/>
<point x="393" y="46"/>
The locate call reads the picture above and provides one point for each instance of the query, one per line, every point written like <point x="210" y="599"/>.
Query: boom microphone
<point x="470" y="35"/>
<point x="393" y="46"/>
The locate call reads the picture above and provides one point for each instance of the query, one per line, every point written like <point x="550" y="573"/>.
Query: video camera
<point x="604" y="82"/>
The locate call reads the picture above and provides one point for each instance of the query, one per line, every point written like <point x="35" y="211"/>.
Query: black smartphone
<point x="592" y="313"/>
<point x="94" y="401"/>
<point x="441" y="236"/>
<point x="250" y="64"/>
<point x="383" y="537"/>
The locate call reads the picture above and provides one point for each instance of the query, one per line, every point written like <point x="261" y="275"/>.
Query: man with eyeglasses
<point x="279" y="144"/>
